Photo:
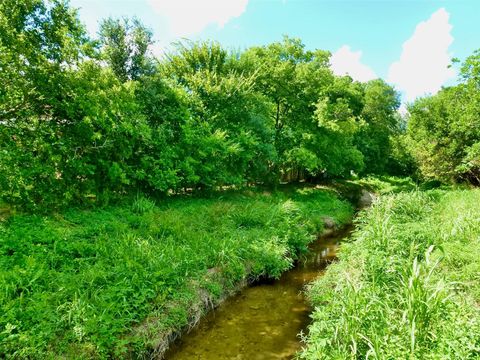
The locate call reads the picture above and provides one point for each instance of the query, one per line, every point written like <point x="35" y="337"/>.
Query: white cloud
<point x="423" y="65"/>
<point x="347" y="62"/>
<point x="189" y="17"/>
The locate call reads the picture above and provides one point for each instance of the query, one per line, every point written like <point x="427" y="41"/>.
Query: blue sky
<point x="407" y="42"/>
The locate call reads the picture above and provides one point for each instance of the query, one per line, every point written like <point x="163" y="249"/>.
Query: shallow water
<point x="263" y="321"/>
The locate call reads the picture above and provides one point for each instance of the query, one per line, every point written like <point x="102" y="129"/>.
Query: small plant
<point x="142" y="205"/>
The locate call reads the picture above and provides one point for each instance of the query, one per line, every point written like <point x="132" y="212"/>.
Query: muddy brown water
<point x="264" y="320"/>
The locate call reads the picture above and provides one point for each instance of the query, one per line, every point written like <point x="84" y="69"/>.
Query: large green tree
<point x="39" y="42"/>
<point x="282" y="71"/>
<point x="218" y="133"/>
<point x="69" y="127"/>
<point x="381" y="123"/>
<point x="444" y="129"/>
<point x="315" y="114"/>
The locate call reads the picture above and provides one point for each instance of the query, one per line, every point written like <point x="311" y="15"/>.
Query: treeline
<point x="85" y="119"/>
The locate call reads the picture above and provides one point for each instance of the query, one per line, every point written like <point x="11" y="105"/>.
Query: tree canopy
<point x="87" y="119"/>
<point x="444" y="129"/>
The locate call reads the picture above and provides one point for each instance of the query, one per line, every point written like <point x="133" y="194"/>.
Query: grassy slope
<point x="407" y="286"/>
<point x="76" y="283"/>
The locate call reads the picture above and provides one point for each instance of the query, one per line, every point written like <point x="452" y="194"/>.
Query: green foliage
<point x="293" y="80"/>
<point x="401" y="161"/>
<point x="382" y="125"/>
<point x="85" y="283"/>
<point x="69" y="128"/>
<point x="91" y="122"/>
<point x="94" y="147"/>
<point x="39" y="42"/>
<point x="337" y="122"/>
<point x="444" y="130"/>
<point x="142" y="205"/>
<point x="383" y="185"/>
<point x="191" y="58"/>
<point x="77" y="131"/>
<point x="125" y="47"/>
<point x="316" y="115"/>
<point x="406" y="286"/>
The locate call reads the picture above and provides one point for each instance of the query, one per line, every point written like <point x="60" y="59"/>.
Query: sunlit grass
<point x="407" y="285"/>
<point x="77" y="284"/>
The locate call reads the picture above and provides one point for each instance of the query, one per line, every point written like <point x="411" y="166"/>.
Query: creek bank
<point x="105" y="282"/>
<point x="263" y="320"/>
<point x="201" y="311"/>
<point x="406" y="285"/>
<point x="205" y="304"/>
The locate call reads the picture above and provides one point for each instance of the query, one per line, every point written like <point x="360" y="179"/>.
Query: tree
<point x="292" y="79"/>
<point x="444" y="129"/>
<point x="69" y="127"/>
<point x="381" y="124"/>
<point x="125" y="46"/>
<point x="218" y="134"/>
<point x="336" y="121"/>
<point x="190" y="58"/>
<point x="39" y="42"/>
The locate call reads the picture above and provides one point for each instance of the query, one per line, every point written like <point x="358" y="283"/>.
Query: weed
<point x="142" y="205"/>
<point x="407" y="284"/>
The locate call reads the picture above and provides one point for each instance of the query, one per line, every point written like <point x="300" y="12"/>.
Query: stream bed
<point x="264" y="320"/>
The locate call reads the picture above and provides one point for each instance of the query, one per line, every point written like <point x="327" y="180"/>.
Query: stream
<point x="264" y="320"/>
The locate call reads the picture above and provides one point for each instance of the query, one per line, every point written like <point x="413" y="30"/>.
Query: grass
<point x="407" y="286"/>
<point x="383" y="185"/>
<point x="98" y="283"/>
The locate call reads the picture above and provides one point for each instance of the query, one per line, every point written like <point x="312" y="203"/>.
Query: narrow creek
<point x="263" y="321"/>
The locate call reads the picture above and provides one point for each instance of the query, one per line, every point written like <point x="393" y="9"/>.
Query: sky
<point x="409" y="43"/>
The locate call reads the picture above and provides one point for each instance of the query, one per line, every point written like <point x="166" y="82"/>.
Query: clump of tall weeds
<point x="403" y="289"/>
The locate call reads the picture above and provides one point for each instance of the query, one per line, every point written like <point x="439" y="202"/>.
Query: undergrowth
<point x="407" y="286"/>
<point x="77" y="284"/>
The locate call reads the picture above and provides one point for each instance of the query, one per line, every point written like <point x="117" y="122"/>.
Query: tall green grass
<point x="407" y="286"/>
<point x="84" y="283"/>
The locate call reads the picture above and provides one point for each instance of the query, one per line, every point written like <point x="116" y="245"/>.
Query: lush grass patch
<point x="77" y="283"/>
<point x="386" y="184"/>
<point x="407" y="286"/>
